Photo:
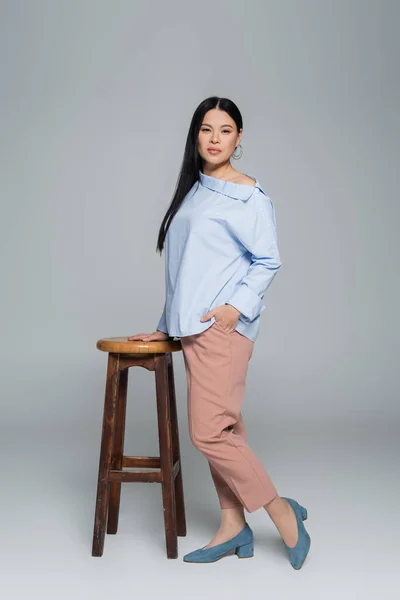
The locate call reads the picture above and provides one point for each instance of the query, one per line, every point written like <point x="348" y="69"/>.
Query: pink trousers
<point x="216" y="365"/>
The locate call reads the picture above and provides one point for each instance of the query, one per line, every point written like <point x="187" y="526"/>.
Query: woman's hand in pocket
<point x="226" y="316"/>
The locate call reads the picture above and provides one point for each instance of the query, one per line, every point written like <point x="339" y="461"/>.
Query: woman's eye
<point x="223" y="131"/>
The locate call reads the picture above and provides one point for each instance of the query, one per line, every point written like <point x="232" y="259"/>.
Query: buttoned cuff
<point x="247" y="302"/>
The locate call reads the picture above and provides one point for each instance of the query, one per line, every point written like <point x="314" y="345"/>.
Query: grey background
<point x="96" y="102"/>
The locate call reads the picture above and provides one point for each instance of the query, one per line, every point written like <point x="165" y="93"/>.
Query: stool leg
<point x="179" y="497"/>
<point x="166" y="458"/>
<point x="109" y="414"/>
<point x="118" y="453"/>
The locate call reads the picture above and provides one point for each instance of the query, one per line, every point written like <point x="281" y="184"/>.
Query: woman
<point x="221" y="255"/>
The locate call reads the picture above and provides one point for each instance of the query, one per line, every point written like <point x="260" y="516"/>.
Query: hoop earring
<point x="240" y="152"/>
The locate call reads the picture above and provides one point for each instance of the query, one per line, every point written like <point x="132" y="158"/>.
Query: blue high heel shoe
<point x="242" y="542"/>
<point x="298" y="554"/>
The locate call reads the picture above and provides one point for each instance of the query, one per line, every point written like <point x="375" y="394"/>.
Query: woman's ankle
<point x="231" y="517"/>
<point x="278" y="507"/>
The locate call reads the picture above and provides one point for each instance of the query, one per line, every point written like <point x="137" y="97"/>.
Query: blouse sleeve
<point x="257" y="233"/>
<point x="162" y="324"/>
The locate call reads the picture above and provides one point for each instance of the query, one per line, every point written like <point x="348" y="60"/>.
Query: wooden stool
<point x="154" y="356"/>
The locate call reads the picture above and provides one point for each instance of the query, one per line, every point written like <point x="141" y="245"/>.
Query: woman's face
<point x="218" y="132"/>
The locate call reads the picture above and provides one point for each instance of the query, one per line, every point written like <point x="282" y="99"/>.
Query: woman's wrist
<point x="234" y="307"/>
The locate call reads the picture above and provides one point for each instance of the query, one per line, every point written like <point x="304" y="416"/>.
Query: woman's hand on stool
<point x="156" y="336"/>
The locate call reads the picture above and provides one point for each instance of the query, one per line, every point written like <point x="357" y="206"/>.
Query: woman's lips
<point x="213" y="151"/>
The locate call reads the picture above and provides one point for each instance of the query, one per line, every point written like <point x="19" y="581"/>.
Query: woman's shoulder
<point x="243" y="179"/>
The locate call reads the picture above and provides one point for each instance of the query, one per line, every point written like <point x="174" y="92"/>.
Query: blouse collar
<point x="238" y="191"/>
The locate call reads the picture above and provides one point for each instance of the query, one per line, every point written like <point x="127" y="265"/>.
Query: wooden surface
<point x="112" y="461"/>
<point x="121" y="345"/>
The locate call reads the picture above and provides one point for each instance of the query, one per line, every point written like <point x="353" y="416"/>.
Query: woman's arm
<point x="257" y="233"/>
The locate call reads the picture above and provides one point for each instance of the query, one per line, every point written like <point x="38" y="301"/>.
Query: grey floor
<point x="346" y="474"/>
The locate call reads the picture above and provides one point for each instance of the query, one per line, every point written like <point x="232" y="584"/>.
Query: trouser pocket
<point x="218" y="326"/>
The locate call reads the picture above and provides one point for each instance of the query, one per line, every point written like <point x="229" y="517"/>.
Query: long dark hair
<point x="192" y="162"/>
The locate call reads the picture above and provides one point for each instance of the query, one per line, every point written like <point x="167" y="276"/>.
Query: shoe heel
<point x="303" y="512"/>
<point x="245" y="551"/>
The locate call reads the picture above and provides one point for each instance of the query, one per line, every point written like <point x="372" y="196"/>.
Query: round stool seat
<point x="121" y="345"/>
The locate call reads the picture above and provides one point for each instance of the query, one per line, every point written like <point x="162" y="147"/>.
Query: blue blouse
<point x="220" y="248"/>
